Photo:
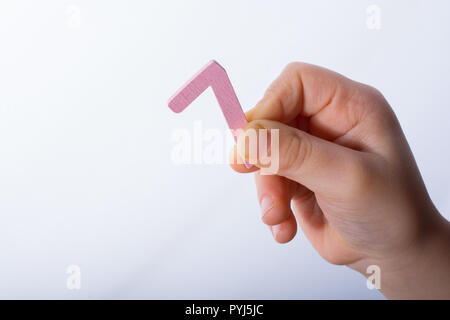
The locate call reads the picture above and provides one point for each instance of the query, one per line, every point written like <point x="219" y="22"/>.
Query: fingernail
<point x="266" y="204"/>
<point x="241" y="146"/>
<point x="247" y="143"/>
<point x="275" y="230"/>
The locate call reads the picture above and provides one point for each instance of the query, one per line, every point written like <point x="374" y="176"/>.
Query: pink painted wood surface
<point x="214" y="76"/>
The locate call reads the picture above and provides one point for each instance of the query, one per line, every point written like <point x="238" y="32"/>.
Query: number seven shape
<point x="214" y="76"/>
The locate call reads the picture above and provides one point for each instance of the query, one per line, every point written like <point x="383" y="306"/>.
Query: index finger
<point x="310" y="91"/>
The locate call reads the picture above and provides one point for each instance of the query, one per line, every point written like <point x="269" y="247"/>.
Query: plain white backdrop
<point x="86" y="176"/>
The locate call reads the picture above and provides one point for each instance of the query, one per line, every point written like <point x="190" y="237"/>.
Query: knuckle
<point x="378" y="108"/>
<point x="294" y="66"/>
<point x="372" y="93"/>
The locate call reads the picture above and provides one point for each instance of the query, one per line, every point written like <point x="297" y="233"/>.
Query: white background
<point x="86" y="175"/>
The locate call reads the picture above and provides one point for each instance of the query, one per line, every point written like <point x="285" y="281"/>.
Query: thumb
<point x="320" y="165"/>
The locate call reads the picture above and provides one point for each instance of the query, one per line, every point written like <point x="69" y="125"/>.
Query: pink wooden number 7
<point x="214" y="76"/>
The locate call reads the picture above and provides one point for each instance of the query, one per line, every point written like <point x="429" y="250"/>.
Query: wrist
<point x="420" y="270"/>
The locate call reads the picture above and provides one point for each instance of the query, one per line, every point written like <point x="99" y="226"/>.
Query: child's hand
<point x="355" y="189"/>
